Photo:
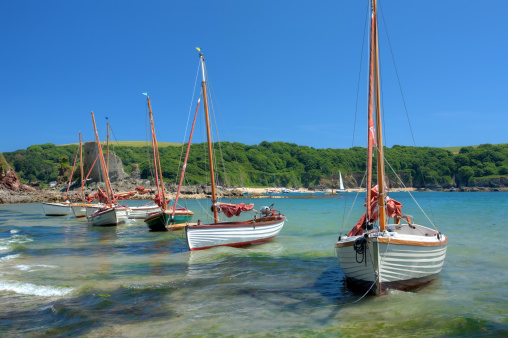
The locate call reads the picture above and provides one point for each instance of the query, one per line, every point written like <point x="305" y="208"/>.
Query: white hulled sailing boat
<point x="61" y="208"/>
<point x="257" y="230"/>
<point x="341" y="184"/>
<point x="376" y="254"/>
<point x="111" y="213"/>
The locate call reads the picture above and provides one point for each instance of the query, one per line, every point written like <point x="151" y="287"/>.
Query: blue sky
<point x="281" y="70"/>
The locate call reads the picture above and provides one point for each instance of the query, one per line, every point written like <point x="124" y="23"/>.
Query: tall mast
<point x="81" y="162"/>
<point x="107" y="151"/>
<point x="103" y="164"/>
<point x="157" y="162"/>
<point x="371" y="138"/>
<point x="379" y="134"/>
<point x="209" y="138"/>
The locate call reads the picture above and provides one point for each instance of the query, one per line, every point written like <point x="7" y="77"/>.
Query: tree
<point x="465" y="173"/>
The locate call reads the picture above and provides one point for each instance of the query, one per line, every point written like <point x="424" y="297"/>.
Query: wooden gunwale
<point x="244" y="224"/>
<point x="396" y="241"/>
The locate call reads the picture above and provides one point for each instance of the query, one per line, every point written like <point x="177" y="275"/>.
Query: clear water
<point x="60" y="276"/>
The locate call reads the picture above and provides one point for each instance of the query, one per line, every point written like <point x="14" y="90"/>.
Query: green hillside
<point x="282" y="164"/>
<point x="134" y="144"/>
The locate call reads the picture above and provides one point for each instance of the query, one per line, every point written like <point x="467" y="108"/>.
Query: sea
<point x="60" y="276"/>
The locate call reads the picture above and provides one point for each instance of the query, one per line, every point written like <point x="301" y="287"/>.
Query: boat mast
<point x="371" y="138"/>
<point x="156" y="160"/>
<point x="81" y="162"/>
<point x="101" y="155"/>
<point x="379" y="134"/>
<point x="107" y="147"/>
<point x="209" y="138"/>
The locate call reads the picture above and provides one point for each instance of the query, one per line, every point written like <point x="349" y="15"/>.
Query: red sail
<point x="394" y="208"/>
<point x="231" y="210"/>
<point x="100" y="195"/>
<point x="159" y="200"/>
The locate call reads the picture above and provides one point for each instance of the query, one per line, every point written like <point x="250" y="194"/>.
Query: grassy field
<point x="455" y="150"/>
<point x="137" y="144"/>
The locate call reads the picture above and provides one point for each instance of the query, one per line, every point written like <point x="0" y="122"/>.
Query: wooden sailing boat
<point x="111" y="213"/>
<point x="255" y="231"/>
<point x="61" y="208"/>
<point x="79" y="208"/>
<point x="377" y="255"/>
<point x="159" y="221"/>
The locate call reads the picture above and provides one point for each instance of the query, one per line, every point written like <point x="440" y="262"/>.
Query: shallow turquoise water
<point x="61" y="276"/>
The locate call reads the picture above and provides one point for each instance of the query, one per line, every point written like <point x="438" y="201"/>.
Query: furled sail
<point x="394" y="208"/>
<point x="231" y="210"/>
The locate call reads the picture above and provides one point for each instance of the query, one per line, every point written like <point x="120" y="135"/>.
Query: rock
<point x="135" y="174"/>
<point x="11" y="182"/>
<point x="116" y="171"/>
<point x="4" y="166"/>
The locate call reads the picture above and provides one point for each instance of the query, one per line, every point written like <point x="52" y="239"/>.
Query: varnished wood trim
<point x="343" y="245"/>
<point x="414" y="243"/>
<point x="396" y="241"/>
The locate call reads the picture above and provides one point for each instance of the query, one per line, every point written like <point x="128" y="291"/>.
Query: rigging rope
<point x="188" y="121"/>
<point x="401" y="182"/>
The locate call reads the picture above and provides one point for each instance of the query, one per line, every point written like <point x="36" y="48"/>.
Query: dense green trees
<point x="281" y="164"/>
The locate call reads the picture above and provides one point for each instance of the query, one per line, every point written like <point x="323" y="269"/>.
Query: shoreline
<point x="54" y="195"/>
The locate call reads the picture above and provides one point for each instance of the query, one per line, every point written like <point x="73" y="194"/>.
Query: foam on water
<point x="7" y="243"/>
<point x="35" y="290"/>
<point x="33" y="267"/>
<point x="9" y="257"/>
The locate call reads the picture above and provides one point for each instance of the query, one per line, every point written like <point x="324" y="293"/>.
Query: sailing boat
<point x="158" y="221"/>
<point x="111" y="213"/>
<point x="341" y="184"/>
<point x="377" y="255"/>
<point x="341" y="187"/>
<point x="235" y="234"/>
<point x="79" y="209"/>
<point x="61" y="208"/>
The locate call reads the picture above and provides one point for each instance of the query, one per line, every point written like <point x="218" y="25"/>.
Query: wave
<point x="7" y="244"/>
<point x="33" y="267"/>
<point x="35" y="290"/>
<point x="9" y="257"/>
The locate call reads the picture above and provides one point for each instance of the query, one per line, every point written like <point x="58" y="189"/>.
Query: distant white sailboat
<point x="341" y="184"/>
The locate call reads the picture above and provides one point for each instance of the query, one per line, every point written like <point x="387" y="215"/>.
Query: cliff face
<point x="4" y="166"/>
<point x="11" y="182"/>
<point x="116" y="171"/>
<point x="497" y="182"/>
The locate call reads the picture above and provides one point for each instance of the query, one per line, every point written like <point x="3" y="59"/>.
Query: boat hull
<point x="56" y="209"/>
<point x="403" y="261"/>
<point x="109" y="217"/>
<point x="143" y="212"/>
<point x="235" y="234"/>
<point x="79" y="209"/>
<point x="164" y="221"/>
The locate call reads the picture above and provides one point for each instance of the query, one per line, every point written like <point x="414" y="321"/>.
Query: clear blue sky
<point x="281" y="70"/>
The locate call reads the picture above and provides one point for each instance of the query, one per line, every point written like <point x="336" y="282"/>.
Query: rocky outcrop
<point x="496" y="182"/>
<point x="11" y="182"/>
<point x="135" y="173"/>
<point x="4" y="166"/>
<point x="116" y="171"/>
